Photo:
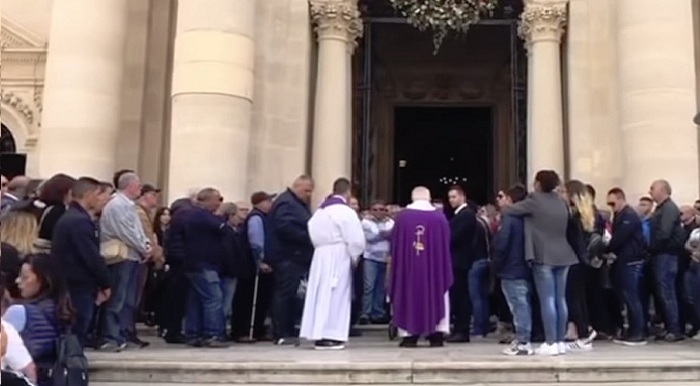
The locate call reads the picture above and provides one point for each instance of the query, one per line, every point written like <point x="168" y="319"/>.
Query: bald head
<point x="660" y="190"/>
<point x="687" y="214"/>
<point x="18" y="186"/>
<point x="303" y="187"/>
<point x="420" y="193"/>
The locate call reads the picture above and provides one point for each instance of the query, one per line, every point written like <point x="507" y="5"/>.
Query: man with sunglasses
<point x="377" y="228"/>
<point x="627" y="246"/>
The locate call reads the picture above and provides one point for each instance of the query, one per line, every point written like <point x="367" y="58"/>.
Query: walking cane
<point x="249" y="338"/>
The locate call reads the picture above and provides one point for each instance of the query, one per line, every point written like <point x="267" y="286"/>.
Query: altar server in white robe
<point x="337" y="235"/>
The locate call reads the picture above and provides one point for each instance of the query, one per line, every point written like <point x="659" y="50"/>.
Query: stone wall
<point x="279" y="132"/>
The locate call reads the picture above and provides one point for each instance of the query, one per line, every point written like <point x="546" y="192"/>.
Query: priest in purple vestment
<point x="421" y="272"/>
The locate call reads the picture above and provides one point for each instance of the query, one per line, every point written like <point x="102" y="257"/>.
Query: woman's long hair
<point x="158" y="225"/>
<point x="20" y="230"/>
<point x="582" y="202"/>
<point x="53" y="285"/>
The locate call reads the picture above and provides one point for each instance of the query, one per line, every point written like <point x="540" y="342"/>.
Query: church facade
<point x="245" y="95"/>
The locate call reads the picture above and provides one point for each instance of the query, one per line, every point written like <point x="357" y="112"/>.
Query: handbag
<point x="113" y="251"/>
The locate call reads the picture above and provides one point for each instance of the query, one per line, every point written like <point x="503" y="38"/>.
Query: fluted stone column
<point x="83" y="88"/>
<point x="542" y="25"/>
<point x="212" y="94"/>
<point x="658" y="96"/>
<point x="338" y="26"/>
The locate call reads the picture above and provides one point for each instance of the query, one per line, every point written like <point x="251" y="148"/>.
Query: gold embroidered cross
<point x="418" y="244"/>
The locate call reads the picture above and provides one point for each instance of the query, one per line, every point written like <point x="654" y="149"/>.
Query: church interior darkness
<point x="443" y="146"/>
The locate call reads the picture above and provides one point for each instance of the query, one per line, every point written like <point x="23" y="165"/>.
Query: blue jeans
<point x="479" y="295"/>
<point x="517" y="293"/>
<point x="374" y="296"/>
<point x="121" y="306"/>
<point x="550" y="282"/>
<point x="628" y="282"/>
<point x="228" y="291"/>
<point x="204" y="318"/>
<point x="665" y="273"/>
<point x="692" y="287"/>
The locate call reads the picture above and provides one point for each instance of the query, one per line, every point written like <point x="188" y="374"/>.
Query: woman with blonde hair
<point x="20" y="230"/>
<point x="584" y="239"/>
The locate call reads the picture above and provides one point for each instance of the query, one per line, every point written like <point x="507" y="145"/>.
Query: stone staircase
<point x="396" y="373"/>
<point x="373" y="360"/>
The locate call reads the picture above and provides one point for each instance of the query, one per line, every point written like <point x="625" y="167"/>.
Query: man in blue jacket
<point x="516" y="277"/>
<point x="288" y="250"/>
<point x="76" y="245"/>
<point x="627" y="247"/>
<point x="203" y="264"/>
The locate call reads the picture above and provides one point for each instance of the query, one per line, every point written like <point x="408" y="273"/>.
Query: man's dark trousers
<point x="287" y="276"/>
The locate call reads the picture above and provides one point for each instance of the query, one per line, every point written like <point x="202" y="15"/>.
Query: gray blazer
<point x="546" y="220"/>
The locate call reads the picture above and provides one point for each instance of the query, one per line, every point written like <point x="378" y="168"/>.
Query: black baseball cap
<point x="148" y="188"/>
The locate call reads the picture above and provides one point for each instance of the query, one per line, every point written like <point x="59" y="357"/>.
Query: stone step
<point x="541" y="371"/>
<point x="425" y="384"/>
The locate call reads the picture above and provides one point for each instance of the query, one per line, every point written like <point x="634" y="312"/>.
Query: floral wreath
<point x="444" y="16"/>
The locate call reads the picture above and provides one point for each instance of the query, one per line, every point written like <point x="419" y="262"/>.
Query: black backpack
<point x="71" y="368"/>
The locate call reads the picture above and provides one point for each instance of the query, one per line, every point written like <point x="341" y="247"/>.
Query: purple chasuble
<point x="332" y="200"/>
<point x="421" y="270"/>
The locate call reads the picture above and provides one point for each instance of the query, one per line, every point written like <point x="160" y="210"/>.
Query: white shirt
<point x="17" y="357"/>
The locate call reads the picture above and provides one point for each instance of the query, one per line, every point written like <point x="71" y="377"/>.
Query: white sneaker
<point x="579" y="346"/>
<point x="518" y="349"/>
<point x="547" y="350"/>
<point x="561" y="347"/>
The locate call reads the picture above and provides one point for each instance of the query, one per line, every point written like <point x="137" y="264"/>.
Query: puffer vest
<point x="41" y="331"/>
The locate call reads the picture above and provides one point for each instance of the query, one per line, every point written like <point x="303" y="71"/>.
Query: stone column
<point x="338" y="26"/>
<point x="542" y="25"/>
<point x="83" y="88"/>
<point x="212" y="94"/>
<point x="657" y="95"/>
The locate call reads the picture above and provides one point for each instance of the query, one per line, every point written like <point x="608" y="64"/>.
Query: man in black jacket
<point x="175" y="282"/>
<point x="667" y="241"/>
<point x="627" y="245"/>
<point x="288" y="250"/>
<point x="76" y="244"/>
<point x="463" y="227"/>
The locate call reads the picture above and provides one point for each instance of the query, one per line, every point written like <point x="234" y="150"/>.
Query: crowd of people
<point x="546" y="266"/>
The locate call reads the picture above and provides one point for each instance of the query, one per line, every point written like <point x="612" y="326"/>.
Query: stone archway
<point x="7" y="141"/>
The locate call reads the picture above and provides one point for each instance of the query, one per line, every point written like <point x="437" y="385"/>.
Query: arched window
<point x="7" y="141"/>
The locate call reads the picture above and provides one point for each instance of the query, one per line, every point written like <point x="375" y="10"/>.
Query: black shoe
<point x="286" y="342"/>
<point x="195" y="343"/>
<point x="458" y="338"/>
<point x="437" y="339"/>
<point x="355" y="333"/>
<point x="383" y="320"/>
<point x="631" y="341"/>
<point x="409" y="342"/>
<point x="363" y="321"/>
<point x="174" y="339"/>
<point x="327" y="344"/>
<point x="215" y="343"/>
<point x="134" y="340"/>
<point x="672" y="338"/>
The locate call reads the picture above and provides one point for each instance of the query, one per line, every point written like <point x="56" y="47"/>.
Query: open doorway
<point x="442" y="146"/>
